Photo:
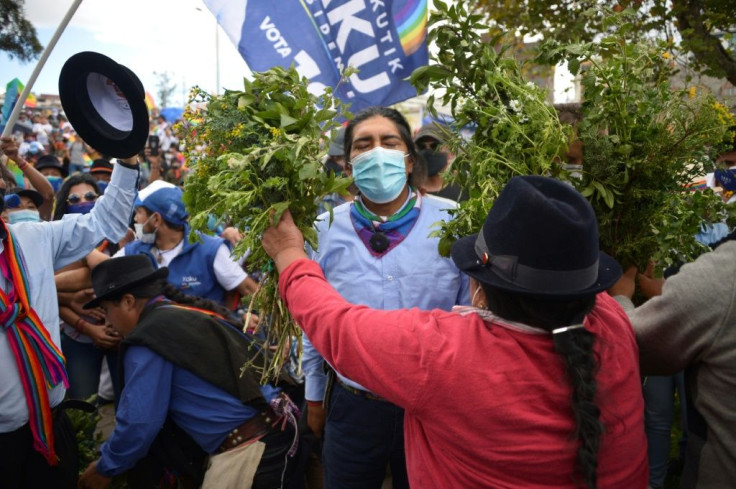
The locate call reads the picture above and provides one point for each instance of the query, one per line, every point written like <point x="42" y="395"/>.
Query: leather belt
<point x="358" y="392"/>
<point x="251" y="430"/>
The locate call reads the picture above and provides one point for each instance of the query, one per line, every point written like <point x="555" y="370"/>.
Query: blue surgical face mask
<point x="380" y="174"/>
<point x="102" y="185"/>
<point x="80" y="208"/>
<point x="24" y="215"/>
<point x="55" y="182"/>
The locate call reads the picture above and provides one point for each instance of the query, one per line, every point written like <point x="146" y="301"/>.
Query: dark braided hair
<point x="176" y="295"/>
<point x="162" y="287"/>
<point x="576" y="349"/>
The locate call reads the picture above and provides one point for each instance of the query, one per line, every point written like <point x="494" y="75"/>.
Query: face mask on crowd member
<point x="148" y="237"/>
<point x="378" y="149"/>
<point x="24" y="205"/>
<point x="77" y="195"/>
<point x="23" y="215"/>
<point x="436" y="160"/>
<point x="430" y="143"/>
<point x="55" y="182"/>
<point x="380" y="174"/>
<point x="52" y="169"/>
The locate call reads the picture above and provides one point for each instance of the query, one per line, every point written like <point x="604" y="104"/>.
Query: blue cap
<point x="12" y="201"/>
<point x="168" y="202"/>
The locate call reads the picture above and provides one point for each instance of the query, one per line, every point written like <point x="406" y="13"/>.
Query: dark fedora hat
<point x="105" y="103"/>
<point x="50" y="161"/>
<point x="35" y="197"/>
<point x="101" y="165"/>
<point x="540" y="238"/>
<point x="115" y="276"/>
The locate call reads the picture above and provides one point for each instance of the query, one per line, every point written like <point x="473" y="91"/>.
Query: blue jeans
<point x="75" y="168"/>
<point x="84" y="363"/>
<point x="659" y="400"/>
<point x="362" y="438"/>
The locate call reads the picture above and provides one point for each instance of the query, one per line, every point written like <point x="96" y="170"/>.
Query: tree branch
<point x="706" y="47"/>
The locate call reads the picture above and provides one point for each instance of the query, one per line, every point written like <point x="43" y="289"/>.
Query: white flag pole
<point x="46" y="52"/>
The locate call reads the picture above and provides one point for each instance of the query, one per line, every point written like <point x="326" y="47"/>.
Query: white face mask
<point x="147" y="238"/>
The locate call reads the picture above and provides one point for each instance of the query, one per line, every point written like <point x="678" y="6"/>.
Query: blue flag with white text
<point x="383" y="39"/>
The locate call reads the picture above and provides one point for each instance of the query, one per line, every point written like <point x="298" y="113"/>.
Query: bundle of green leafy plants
<point x="516" y="131"/>
<point x="253" y="154"/>
<point x="644" y="142"/>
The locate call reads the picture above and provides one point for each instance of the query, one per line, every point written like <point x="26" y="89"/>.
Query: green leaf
<point x="287" y="120"/>
<point x="573" y="64"/>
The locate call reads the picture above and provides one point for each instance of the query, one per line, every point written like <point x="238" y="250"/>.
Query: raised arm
<point x="74" y="236"/>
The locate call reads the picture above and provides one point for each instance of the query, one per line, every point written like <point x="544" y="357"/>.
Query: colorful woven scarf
<point x="395" y="228"/>
<point x="40" y="362"/>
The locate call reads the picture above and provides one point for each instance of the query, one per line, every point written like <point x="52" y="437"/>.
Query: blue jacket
<point x="191" y="271"/>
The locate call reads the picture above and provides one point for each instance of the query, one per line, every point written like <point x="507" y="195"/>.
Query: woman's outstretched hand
<point x="284" y="242"/>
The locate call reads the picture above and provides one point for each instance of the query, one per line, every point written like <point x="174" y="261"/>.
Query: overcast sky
<point x="147" y="36"/>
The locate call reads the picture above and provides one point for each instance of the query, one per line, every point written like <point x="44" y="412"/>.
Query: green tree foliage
<point x="517" y="131"/>
<point x="643" y="144"/>
<point x="261" y="156"/>
<point x="705" y="27"/>
<point x="17" y="35"/>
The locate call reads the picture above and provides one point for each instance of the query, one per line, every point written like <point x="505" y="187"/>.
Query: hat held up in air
<point x="105" y="103"/>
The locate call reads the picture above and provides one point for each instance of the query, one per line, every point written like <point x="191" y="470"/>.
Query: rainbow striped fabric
<point x="410" y="17"/>
<point x="31" y="101"/>
<point x="150" y="104"/>
<point x="40" y="362"/>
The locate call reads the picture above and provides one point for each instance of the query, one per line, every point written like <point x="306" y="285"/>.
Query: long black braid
<point x="575" y="346"/>
<point x="161" y="287"/>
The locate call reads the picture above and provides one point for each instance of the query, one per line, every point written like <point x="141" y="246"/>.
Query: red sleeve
<point x="388" y="352"/>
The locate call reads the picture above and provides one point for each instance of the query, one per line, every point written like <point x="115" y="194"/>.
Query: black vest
<point x="210" y="348"/>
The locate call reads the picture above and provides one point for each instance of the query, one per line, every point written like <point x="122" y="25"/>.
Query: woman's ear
<point x="127" y="302"/>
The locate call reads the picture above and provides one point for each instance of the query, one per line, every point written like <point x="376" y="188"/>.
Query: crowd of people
<point x="516" y="362"/>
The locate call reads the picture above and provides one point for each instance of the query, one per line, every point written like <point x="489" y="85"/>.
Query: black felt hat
<point x="101" y="165"/>
<point x="115" y="276"/>
<point x="540" y="238"/>
<point x="35" y="197"/>
<point x="105" y="103"/>
<point x="50" y="161"/>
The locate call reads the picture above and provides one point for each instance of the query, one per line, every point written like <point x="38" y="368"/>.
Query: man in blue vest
<point x="203" y="268"/>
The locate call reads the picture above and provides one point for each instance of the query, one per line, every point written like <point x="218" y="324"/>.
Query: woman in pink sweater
<point x="535" y="386"/>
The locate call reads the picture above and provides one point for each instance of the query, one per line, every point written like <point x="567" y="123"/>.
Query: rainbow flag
<point x="17" y="173"/>
<point x="12" y="90"/>
<point x="31" y="101"/>
<point x="411" y="23"/>
<point x="149" y="102"/>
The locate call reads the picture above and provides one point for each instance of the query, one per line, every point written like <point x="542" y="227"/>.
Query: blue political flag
<point x="384" y="39"/>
